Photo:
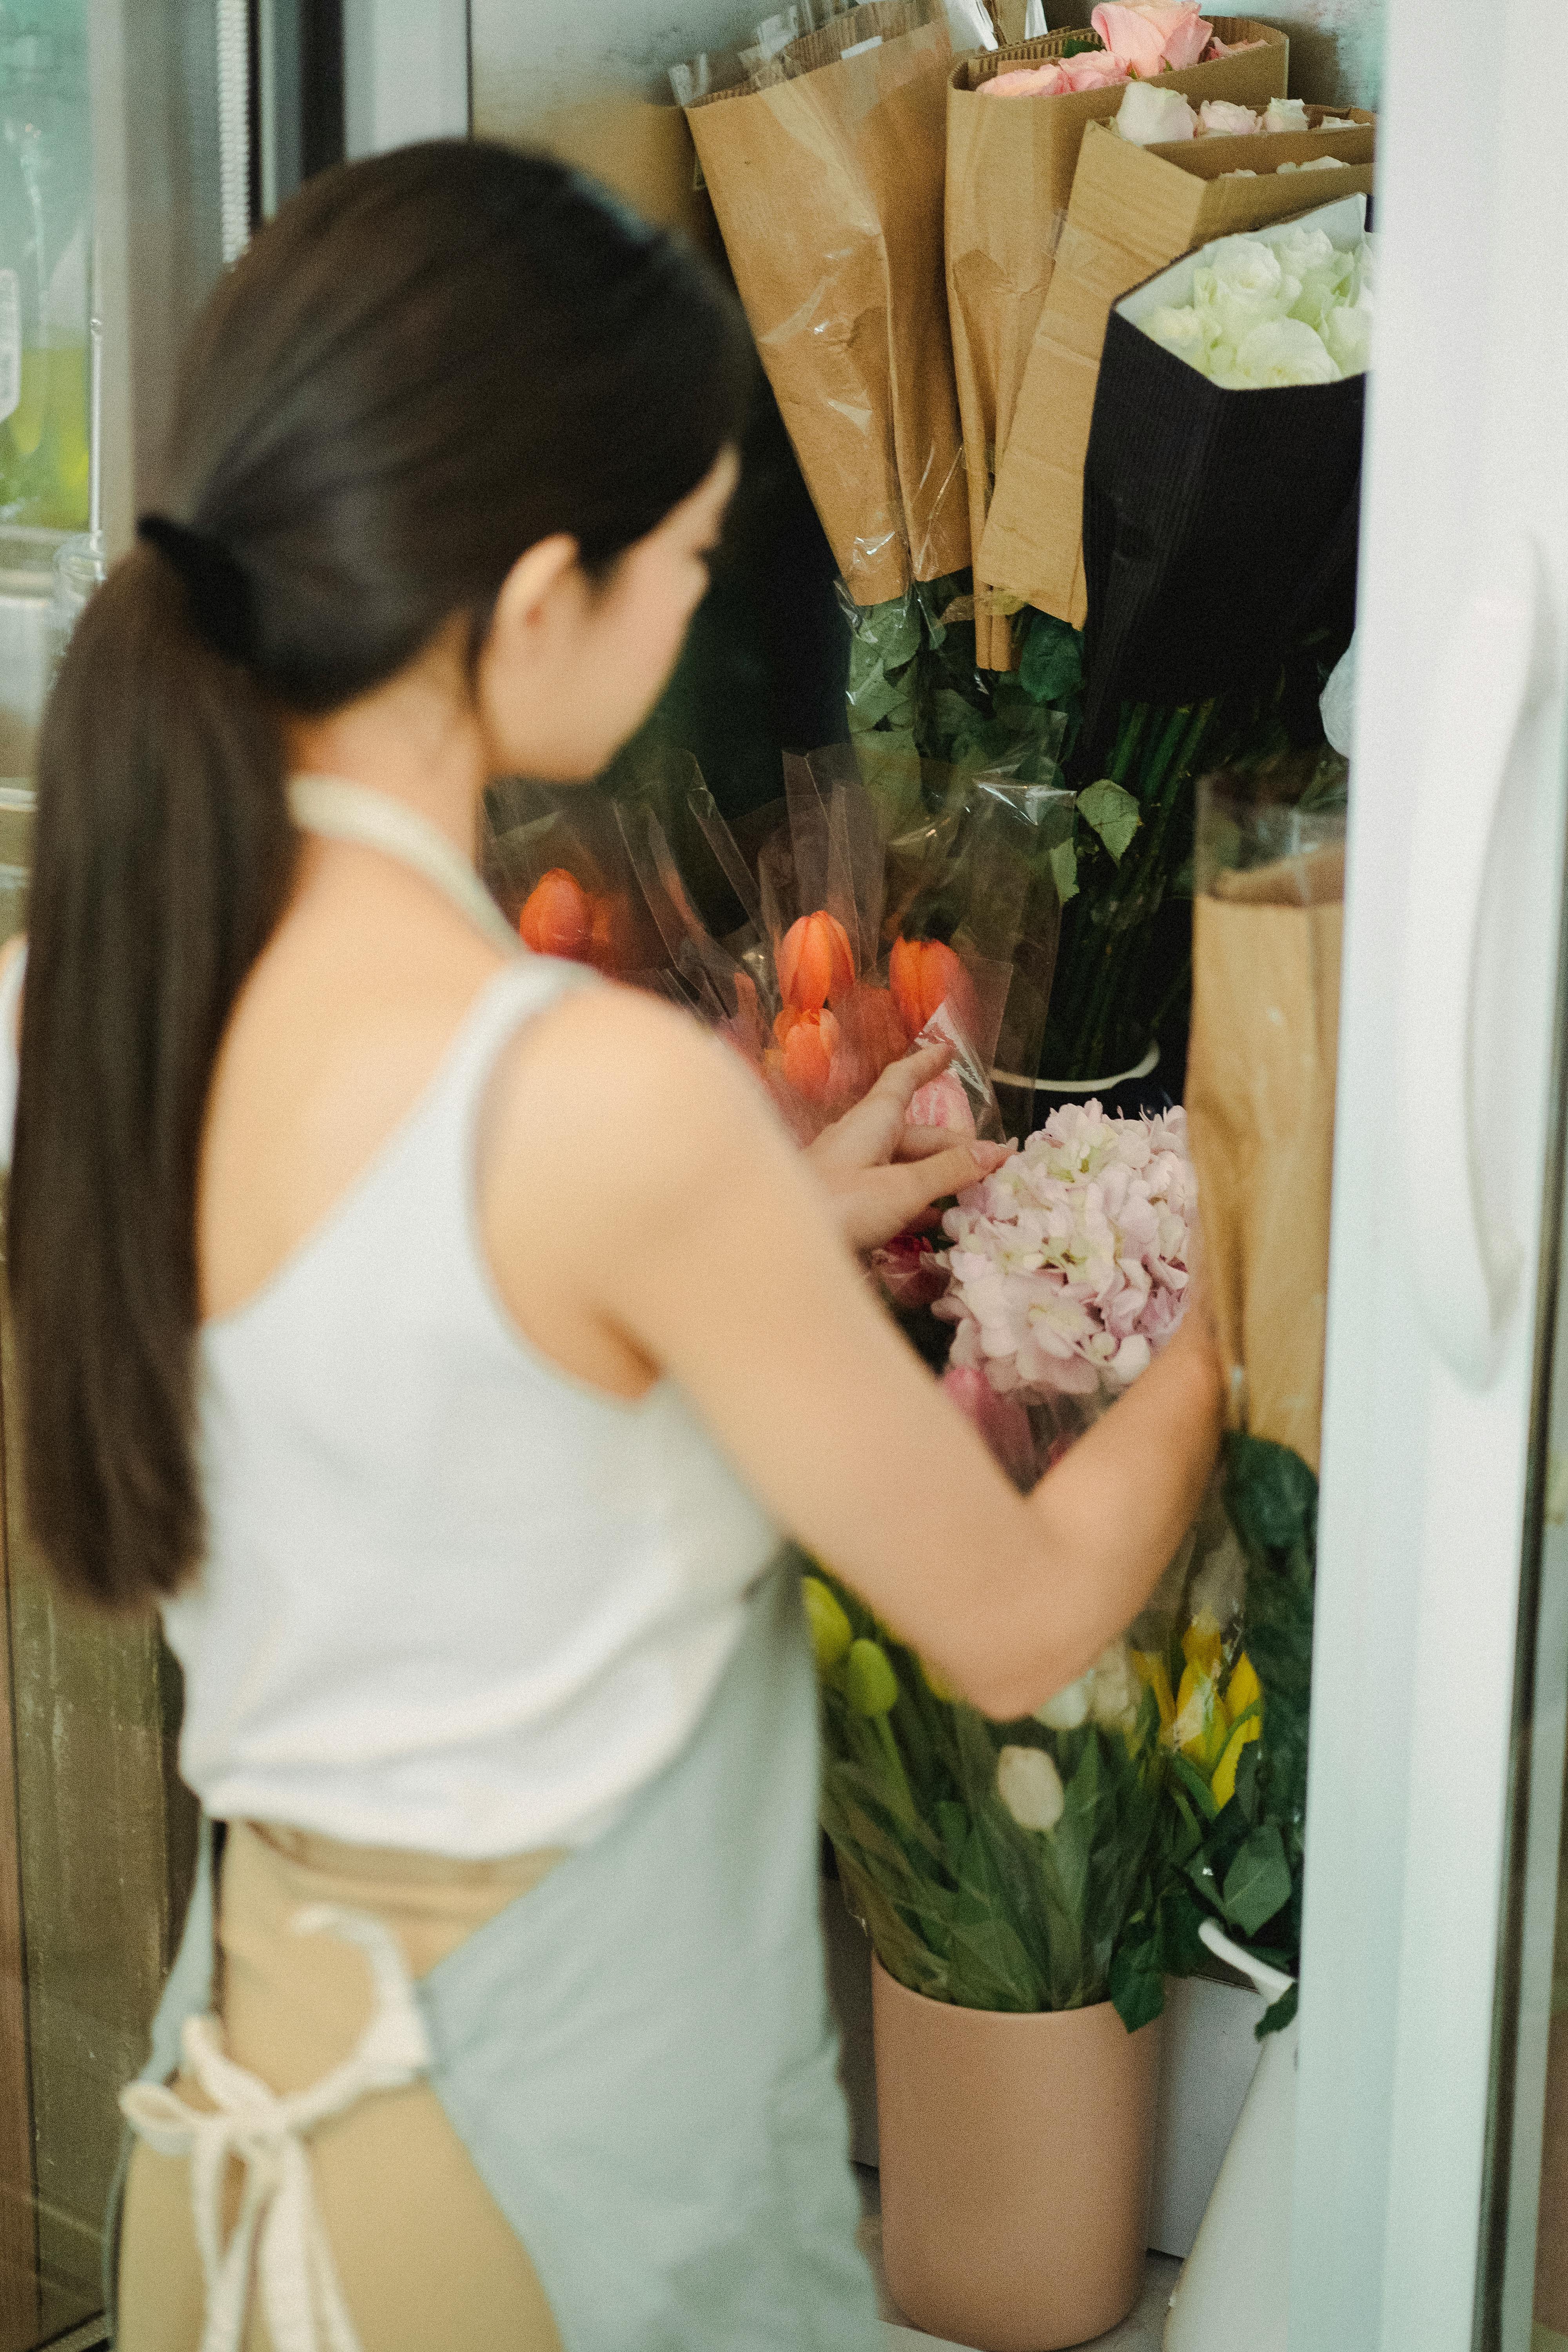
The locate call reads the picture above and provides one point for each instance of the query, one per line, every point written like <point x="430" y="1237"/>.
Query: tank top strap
<point x="531" y="985"/>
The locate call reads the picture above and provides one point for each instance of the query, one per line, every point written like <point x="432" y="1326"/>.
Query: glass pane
<point x="96" y="1846"/>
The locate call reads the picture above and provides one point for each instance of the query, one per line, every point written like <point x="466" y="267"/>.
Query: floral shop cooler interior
<point x="1021" y="714"/>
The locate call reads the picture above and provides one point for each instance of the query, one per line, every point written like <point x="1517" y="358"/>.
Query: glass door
<point x="1447" y="1206"/>
<point x="109" y="127"/>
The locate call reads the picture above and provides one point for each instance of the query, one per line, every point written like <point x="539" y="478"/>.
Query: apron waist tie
<point x="279" y="2224"/>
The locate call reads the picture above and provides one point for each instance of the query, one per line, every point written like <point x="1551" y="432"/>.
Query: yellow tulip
<point x="1203" y="1643"/>
<point x="1223" y="1785"/>
<point x="1244" y="1689"/>
<point x="1202" y="1725"/>
<point x="1152" y="1670"/>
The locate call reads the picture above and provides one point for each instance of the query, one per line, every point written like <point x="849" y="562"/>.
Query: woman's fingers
<point x="901" y="1080"/>
<point x="916" y="1183"/>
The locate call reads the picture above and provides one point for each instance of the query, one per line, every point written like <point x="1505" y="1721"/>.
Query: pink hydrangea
<point x="1068" y="1265"/>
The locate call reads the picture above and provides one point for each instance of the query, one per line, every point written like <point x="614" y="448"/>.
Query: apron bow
<point x="279" y="2228"/>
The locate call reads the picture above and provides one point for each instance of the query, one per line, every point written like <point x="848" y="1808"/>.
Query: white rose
<point x="1030" y="1787"/>
<point x="1286" y="114"/>
<point x="1218" y="119"/>
<point x="1325" y="273"/>
<point x="1318" y="164"/>
<point x="1069" y="1710"/>
<point x="1150" y="117"/>
<point x="1347" y="332"/>
<point x="1242" y="286"/>
<point x="1280" y="351"/>
<point x="1180" y="329"/>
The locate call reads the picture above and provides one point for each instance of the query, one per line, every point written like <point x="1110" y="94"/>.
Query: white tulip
<point x="1069" y="1710"/>
<point x="1030" y="1787"/>
<point x="1116" y="1689"/>
<point x="1150" y="117"/>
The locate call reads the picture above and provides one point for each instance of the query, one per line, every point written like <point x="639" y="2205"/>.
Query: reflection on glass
<point x="96" y="1844"/>
<point x="1550" y="2312"/>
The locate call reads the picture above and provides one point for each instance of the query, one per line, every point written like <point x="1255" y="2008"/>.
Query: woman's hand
<point x="881" y="1173"/>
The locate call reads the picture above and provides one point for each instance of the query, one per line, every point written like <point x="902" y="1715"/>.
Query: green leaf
<point x="1064" y="869"/>
<point x="1258" y="1881"/>
<point x="892" y="630"/>
<point x="1276" y="2017"/>
<point x="1051" y="669"/>
<point x="1111" y="813"/>
<point x="1137" y="1983"/>
<point x="1270" y="1493"/>
<point x="953" y="712"/>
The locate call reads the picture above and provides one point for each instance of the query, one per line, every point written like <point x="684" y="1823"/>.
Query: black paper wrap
<point x="1219" y="527"/>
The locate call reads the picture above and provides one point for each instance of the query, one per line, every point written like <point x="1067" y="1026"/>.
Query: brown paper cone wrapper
<point x="828" y="189"/>
<point x="1010" y="167"/>
<point x="1260" y="1107"/>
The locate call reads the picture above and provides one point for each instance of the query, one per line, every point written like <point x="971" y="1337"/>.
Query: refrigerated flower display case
<point x="1265" y="344"/>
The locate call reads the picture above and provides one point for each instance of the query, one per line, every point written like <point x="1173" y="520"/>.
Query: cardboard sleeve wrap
<point x="828" y="184"/>
<point x="1010" y="167"/>
<point x="1260" y="1110"/>
<point x="1132" y="210"/>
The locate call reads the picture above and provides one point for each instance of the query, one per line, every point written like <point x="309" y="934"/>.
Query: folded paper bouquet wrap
<point x="1010" y="167"/>
<point x="826" y="167"/>
<point x="1134" y="210"/>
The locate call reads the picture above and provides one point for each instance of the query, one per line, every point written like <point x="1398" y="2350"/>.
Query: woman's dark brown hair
<point x="427" y="362"/>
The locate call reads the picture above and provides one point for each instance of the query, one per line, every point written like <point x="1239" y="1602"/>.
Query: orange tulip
<point x="557" y="919"/>
<point x="815" y="964"/>
<point x="871" y="1019"/>
<point x="808" y="1046"/>
<point x="925" y="975"/>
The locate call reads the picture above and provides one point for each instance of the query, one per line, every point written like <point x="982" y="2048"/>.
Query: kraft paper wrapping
<point x="828" y="190"/>
<point x="1260" y="1110"/>
<point x="1010" y="167"/>
<point x="1132" y="210"/>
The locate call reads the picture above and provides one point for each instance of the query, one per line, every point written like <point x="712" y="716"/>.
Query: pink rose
<point x="1151" y="37"/>
<point x="1029" y="81"/>
<point x="942" y="1102"/>
<point x="1219" y="48"/>
<point x="1093" y="70"/>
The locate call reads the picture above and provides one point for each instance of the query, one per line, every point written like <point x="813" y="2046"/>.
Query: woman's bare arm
<point x="639" y="1197"/>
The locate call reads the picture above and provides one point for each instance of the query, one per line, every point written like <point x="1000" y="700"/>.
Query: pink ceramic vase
<point x="1017" y="2154"/>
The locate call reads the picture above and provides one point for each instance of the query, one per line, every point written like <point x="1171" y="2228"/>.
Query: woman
<point x="444" y="1340"/>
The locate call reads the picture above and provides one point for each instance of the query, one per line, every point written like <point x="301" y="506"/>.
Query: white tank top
<point x="453" y="1599"/>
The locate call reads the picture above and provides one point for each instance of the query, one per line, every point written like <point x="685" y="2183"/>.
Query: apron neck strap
<point x="341" y="810"/>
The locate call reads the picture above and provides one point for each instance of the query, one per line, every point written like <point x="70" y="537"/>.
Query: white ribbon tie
<point x="280" y="2226"/>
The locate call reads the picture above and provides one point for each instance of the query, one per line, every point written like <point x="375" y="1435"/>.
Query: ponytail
<point x="430" y="362"/>
<point x="163" y="859"/>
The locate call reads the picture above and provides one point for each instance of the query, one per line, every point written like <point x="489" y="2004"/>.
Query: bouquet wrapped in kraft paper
<point x="1134" y="209"/>
<point x="1010" y="167"/>
<point x="1267" y="922"/>
<point x="826" y="170"/>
